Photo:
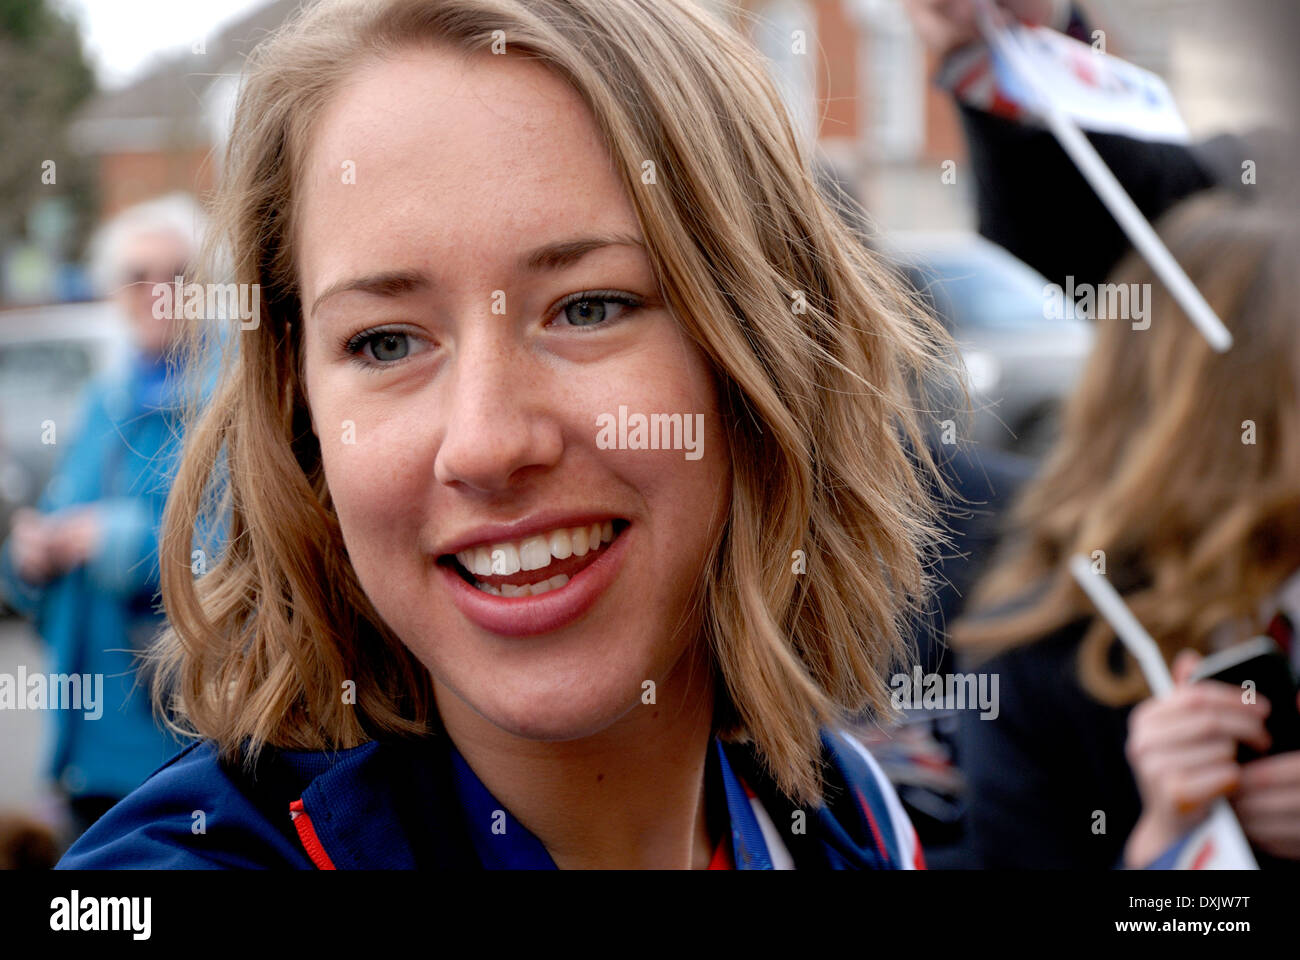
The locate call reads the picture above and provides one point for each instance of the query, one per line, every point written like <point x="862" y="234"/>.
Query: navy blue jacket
<point x="392" y="804"/>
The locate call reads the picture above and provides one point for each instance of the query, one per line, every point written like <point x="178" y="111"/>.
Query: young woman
<point x="566" y="495"/>
<point x="1179" y="468"/>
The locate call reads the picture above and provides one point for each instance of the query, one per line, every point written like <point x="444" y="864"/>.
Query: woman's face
<point x="449" y="212"/>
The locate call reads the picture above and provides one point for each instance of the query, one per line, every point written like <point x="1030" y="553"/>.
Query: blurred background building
<point x="856" y="81"/>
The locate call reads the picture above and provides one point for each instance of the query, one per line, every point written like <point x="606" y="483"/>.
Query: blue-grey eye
<point x="387" y="347"/>
<point x="585" y="313"/>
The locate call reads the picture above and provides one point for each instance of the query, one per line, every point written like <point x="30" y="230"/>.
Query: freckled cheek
<point x="685" y="490"/>
<point x="375" y="474"/>
<point x="684" y="493"/>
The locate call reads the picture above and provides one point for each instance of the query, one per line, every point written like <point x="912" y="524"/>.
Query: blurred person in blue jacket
<point x="83" y="564"/>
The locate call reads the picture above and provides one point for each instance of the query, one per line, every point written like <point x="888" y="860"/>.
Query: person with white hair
<point x="83" y="564"/>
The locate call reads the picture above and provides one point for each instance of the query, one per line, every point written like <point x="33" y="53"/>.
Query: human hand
<point x="75" y="536"/>
<point x="945" y="25"/>
<point x="29" y="545"/>
<point x="1267" y="803"/>
<point x="1183" y="748"/>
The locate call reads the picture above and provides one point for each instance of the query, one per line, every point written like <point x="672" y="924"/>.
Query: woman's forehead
<point x="436" y="152"/>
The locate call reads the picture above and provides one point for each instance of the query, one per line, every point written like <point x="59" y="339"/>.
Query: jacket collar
<point x="403" y="804"/>
<point x="385" y="805"/>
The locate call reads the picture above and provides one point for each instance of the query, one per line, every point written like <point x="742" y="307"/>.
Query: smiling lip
<point x="520" y="529"/>
<point x="543" y="613"/>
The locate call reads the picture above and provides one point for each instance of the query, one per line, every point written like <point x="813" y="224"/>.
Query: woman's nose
<point x="501" y="426"/>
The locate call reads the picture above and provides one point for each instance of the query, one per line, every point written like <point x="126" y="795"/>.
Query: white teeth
<point x="545" y="586"/>
<point x="505" y="559"/>
<point x="561" y="545"/>
<point x="525" y="589"/>
<point x="535" y="553"/>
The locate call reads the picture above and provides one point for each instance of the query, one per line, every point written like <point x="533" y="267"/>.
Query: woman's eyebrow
<point x="389" y="283"/>
<point x="552" y="256"/>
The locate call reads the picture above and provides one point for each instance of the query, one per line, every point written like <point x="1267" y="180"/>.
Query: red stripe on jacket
<point x="875" y="830"/>
<point x="307" y="834"/>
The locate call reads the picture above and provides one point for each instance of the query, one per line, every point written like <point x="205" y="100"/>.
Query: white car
<point x="1022" y="356"/>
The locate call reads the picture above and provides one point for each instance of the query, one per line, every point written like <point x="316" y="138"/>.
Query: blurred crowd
<point x="1173" y="467"/>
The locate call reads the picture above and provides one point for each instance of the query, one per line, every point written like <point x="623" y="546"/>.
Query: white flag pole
<point x="1139" y="643"/>
<point x="1126" y="626"/>
<point x="1140" y="232"/>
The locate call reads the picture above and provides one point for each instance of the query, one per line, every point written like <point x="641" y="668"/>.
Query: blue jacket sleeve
<point x="68" y="484"/>
<point x="126" y="559"/>
<point x="189" y="815"/>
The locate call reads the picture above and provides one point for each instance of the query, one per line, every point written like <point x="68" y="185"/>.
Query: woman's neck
<point x="630" y="797"/>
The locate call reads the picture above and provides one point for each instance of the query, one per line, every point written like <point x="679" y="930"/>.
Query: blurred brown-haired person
<point x="1182" y="466"/>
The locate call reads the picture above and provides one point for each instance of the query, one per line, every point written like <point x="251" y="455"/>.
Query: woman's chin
<point x="556" y="715"/>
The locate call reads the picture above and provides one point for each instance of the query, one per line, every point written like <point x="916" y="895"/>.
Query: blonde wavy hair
<point x="1156" y="464"/>
<point x="826" y="440"/>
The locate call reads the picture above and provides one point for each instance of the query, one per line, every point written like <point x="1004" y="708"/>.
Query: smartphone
<point x="1261" y="662"/>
